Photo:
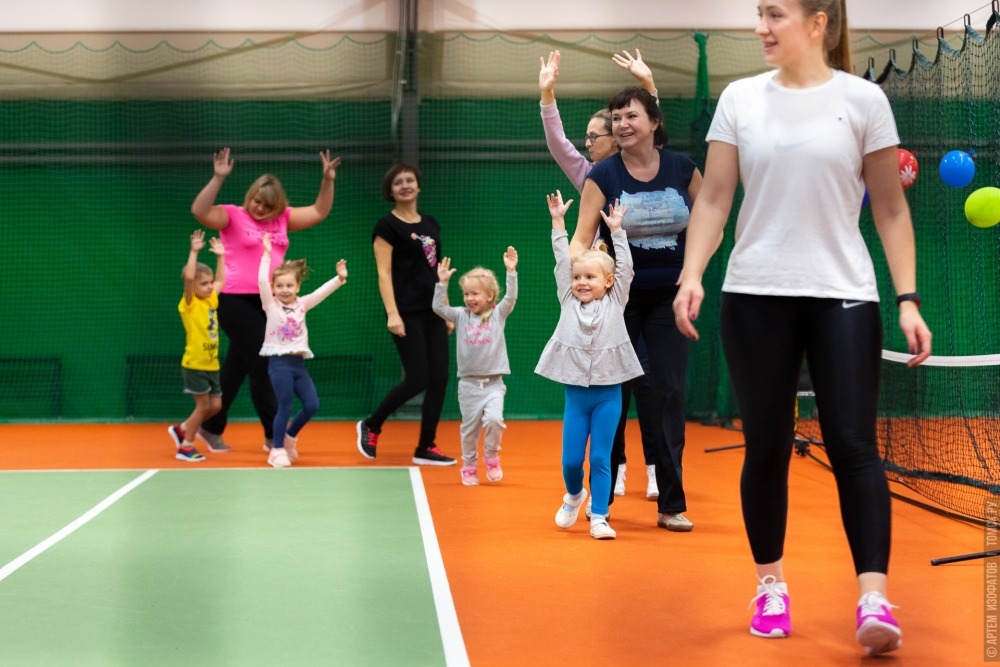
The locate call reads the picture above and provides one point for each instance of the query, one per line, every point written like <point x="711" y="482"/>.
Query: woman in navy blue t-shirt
<point x="658" y="186"/>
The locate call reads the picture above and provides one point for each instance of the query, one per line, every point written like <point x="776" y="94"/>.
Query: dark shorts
<point x="201" y="382"/>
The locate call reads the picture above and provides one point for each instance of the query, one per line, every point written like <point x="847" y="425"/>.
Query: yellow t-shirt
<point x="201" y="323"/>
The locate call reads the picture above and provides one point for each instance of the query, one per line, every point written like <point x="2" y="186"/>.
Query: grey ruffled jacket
<point x="590" y="345"/>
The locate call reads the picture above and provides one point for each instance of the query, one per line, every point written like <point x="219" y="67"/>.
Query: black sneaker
<point x="367" y="440"/>
<point x="432" y="456"/>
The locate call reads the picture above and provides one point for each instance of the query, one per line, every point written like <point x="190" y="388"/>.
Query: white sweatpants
<point x="481" y="401"/>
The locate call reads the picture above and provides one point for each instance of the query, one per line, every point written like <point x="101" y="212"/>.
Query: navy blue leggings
<point x="289" y="378"/>
<point x="590" y="412"/>
<point x="764" y="339"/>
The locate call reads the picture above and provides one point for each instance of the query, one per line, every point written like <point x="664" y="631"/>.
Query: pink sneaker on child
<point x="493" y="471"/>
<point x="772" y="618"/>
<point x="878" y="631"/>
<point x="470" y="475"/>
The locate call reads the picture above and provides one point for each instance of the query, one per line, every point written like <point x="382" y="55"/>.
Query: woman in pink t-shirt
<point x="265" y="210"/>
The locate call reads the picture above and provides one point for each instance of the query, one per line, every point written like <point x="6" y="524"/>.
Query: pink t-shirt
<point x="242" y="240"/>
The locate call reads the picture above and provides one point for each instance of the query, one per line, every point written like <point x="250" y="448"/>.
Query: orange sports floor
<point x="527" y="593"/>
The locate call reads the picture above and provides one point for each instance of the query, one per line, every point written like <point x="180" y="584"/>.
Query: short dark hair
<point x="394" y="171"/>
<point x="624" y="97"/>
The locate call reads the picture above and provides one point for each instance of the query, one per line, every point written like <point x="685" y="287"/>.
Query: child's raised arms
<point x="614" y="221"/>
<point x="265" y="241"/>
<point x="510" y="259"/>
<point x="445" y="271"/>
<point x="215" y="245"/>
<point x="557" y="209"/>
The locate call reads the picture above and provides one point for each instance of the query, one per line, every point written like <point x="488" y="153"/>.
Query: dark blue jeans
<point x="289" y="378"/>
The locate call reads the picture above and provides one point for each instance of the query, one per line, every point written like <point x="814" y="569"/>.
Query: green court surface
<point x="308" y="566"/>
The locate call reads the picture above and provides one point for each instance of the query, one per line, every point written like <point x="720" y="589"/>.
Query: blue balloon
<point x="957" y="169"/>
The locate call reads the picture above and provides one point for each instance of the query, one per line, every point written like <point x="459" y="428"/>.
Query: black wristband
<point x="909" y="296"/>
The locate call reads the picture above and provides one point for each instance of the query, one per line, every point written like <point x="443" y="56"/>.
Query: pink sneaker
<point x="493" y="471"/>
<point x="878" y="631"/>
<point x="772" y="618"/>
<point x="470" y="475"/>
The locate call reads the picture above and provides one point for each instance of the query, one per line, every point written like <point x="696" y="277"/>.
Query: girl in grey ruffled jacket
<point x="591" y="355"/>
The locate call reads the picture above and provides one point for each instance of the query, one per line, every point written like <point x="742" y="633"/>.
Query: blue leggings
<point x="590" y="412"/>
<point x="289" y="379"/>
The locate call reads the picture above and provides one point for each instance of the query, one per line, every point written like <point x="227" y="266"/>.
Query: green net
<point x="104" y="143"/>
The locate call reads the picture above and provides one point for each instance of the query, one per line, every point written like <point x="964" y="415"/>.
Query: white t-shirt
<point x="800" y="158"/>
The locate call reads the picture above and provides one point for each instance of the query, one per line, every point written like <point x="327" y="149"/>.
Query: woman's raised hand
<point x="635" y="66"/>
<point x="329" y="165"/>
<point x="222" y="164"/>
<point x="548" y="73"/>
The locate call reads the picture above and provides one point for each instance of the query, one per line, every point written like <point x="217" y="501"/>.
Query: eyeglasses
<point x="593" y="136"/>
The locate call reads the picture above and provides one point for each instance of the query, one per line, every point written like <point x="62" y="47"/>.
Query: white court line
<point x="16" y="564"/>
<point x="455" y="654"/>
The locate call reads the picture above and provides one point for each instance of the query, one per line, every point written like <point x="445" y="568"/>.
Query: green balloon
<point x="982" y="207"/>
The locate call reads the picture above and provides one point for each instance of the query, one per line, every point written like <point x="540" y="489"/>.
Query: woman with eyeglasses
<point x="659" y="187"/>
<point x="600" y="143"/>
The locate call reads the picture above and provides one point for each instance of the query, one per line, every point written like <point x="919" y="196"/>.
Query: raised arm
<point x="510" y="293"/>
<point x="383" y="264"/>
<point x="308" y="216"/>
<point x="439" y="303"/>
<point x="570" y="160"/>
<point x="894" y="225"/>
<point x="591" y="205"/>
<point x="637" y="68"/>
<point x="560" y="246"/>
<point x="191" y="267"/>
<point x="708" y="219"/>
<point x="623" y="256"/>
<point x="315" y="298"/>
<point x="204" y="208"/>
<point x="215" y="245"/>
<point x="264" y="273"/>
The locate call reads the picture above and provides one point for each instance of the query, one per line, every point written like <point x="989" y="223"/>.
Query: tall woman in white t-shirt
<point x="806" y="140"/>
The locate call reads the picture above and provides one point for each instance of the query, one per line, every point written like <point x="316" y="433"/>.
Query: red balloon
<point x="908" y="168"/>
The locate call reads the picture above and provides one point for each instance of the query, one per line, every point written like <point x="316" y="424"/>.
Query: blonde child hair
<point x="488" y="280"/>
<point x="297" y="267"/>
<point x="599" y="254"/>
<point x="200" y="269"/>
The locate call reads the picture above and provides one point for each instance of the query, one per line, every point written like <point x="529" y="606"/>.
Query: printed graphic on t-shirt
<point x="290" y="330"/>
<point x="213" y="324"/>
<point x="430" y="248"/>
<point x="654" y="219"/>
<point x="480" y="333"/>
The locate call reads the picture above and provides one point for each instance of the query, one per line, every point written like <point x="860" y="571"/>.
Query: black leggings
<point x="764" y="339"/>
<point x="659" y="395"/>
<point x="424" y="353"/>
<point x="242" y="318"/>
